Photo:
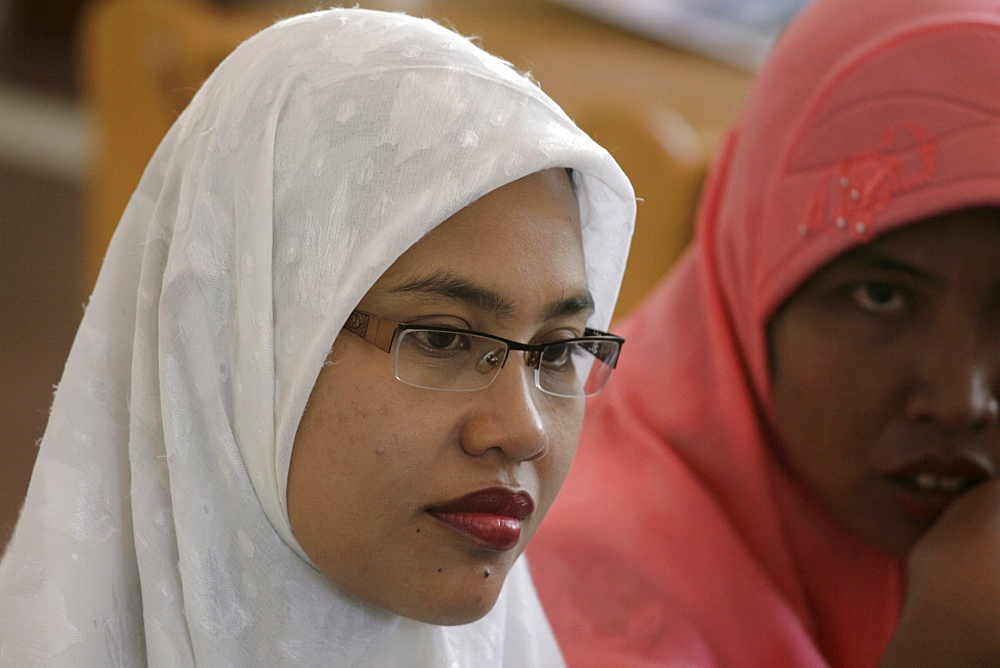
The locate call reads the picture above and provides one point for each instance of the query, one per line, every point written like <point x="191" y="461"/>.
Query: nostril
<point x="958" y="399"/>
<point x="541" y="450"/>
<point x="955" y="412"/>
<point x="990" y="414"/>
<point x="985" y="406"/>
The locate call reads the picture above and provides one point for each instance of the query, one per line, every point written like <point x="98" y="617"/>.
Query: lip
<point x="490" y="518"/>
<point x="927" y="486"/>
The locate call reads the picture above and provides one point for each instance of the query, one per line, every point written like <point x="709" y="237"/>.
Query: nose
<point x="506" y="417"/>
<point x="959" y="388"/>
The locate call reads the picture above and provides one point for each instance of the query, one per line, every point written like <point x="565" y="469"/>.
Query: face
<point x="381" y="472"/>
<point x="885" y="371"/>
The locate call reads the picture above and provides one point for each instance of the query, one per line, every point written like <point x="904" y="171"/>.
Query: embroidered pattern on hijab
<point x="155" y="528"/>
<point x="702" y="550"/>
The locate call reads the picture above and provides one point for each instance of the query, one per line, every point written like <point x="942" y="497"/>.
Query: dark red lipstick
<point x="490" y="517"/>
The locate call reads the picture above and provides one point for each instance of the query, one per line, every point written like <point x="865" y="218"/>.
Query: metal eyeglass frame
<point x="381" y="333"/>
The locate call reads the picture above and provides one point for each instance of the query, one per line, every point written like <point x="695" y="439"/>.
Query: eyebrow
<point x="876" y="260"/>
<point x="484" y="299"/>
<point x="581" y="303"/>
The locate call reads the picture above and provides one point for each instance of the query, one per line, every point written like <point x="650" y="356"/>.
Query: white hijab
<point x="155" y="528"/>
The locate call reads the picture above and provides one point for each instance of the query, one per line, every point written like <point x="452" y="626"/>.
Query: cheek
<point x="829" y="408"/>
<point x="805" y="395"/>
<point x="825" y="386"/>
<point x="808" y="370"/>
<point x="339" y="442"/>
<point x="564" y="434"/>
<point x="570" y="434"/>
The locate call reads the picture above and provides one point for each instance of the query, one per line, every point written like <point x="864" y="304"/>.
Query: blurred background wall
<point x="44" y="145"/>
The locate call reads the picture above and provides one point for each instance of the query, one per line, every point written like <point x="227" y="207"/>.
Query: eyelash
<point x="559" y="333"/>
<point x="861" y="295"/>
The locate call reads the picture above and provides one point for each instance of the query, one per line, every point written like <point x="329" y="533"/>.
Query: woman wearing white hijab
<point x="341" y="169"/>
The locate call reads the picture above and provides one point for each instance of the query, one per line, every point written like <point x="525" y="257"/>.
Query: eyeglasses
<point x="444" y="358"/>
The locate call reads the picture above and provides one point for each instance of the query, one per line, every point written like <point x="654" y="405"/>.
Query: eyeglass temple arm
<point x="373" y="329"/>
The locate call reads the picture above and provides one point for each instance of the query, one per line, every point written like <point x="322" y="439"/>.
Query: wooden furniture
<point x="142" y="61"/>
<point x="660" y="111"/>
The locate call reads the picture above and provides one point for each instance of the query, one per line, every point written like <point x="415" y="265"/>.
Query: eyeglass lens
<point x="458" y="361"/>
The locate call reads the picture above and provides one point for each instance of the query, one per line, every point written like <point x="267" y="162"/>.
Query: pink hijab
<point x="678" y="538"/>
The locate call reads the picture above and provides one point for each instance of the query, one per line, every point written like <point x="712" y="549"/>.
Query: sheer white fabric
<point x="155" y="529"/>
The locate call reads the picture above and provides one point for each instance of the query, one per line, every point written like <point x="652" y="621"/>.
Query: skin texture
<point x="890" y="355"/>
<point x="372" y="455"/>
<point x="953" y="598"/>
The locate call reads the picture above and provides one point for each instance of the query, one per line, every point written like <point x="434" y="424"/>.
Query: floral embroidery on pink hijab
<point x="860" y="186"/>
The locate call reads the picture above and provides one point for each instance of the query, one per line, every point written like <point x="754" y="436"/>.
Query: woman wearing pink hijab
<point x="796" y="463"/>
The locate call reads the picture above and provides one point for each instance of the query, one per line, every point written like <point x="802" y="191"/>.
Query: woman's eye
<point x="557" y="355"/>
<point x="879" y="297"/>
<point x="442" y="340"/>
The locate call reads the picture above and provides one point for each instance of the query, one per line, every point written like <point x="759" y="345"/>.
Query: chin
<point x="454" y="617"/>
<point x="455" y="605"/>
<point x="894" y="539"/>
<point x="899" y="547"/>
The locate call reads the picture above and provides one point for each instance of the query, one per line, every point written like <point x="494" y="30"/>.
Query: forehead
<point x="541" y="207"/>
<point x="522" y="240"/>
<point x="965" y="239"/>
<point x="955" y="229"/>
